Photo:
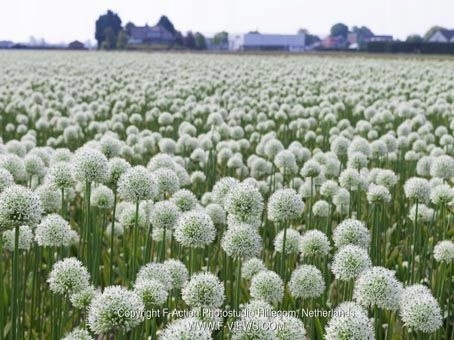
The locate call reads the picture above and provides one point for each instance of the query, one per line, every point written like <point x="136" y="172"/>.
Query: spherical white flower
<point x="178" y="272"/>
<point x="306" y="282"/>
<point x="266" y="285"/>
<point x="292" y="241"/>
<point x="25" y="238"/>
<point x="251" y="267"/>
<point x="34" y="165"/>
<point x="442" y="167"/>
<point x="242" y="241"/>
<point x="311" y="168"/>
<point x="78" y="334"/>
<point x="166" y="180"/>
<point x="244" y="202"/>
<point x="68" y="276"/>
<point x="379" y="287"/>
<point x="222" y="188"/>
<point x="102" y="197"/>
<point x="184" y="199"/>
<point x="425" y="214"/>
<point x="351" y="231"/>
<point x="6" y="179"/>
<point x="19" y="206"/>
<point x="116" y="309"/>
<point x="186" y="328"/>
<point x="195" y="229"/>
<point x="164" y="214"/>
<point x="350" y="321"/>
<point x="50" y="198"/>
<point x="321" y="208"/>
<point x="253" y="327"/>
<point x="444" y="251"/>
<point x="81" y="299"/>
<point x="137" y="184"/>
<point x="14" y="165"/>
<point x="417" y="189"/>
<point x="329" y="188"/>
<point x="286" y="163"/>
<point x="419" y="310"/>
<point x="117" y="167"/>
<point x="442" y="195"/>
<point x="378" y="194"/>
<point x="53" y="231"/>
<point x="217" y="213"/>
<point x="152" y="293"/>
<point x="314" y="243"/>
<point x="155" y="272"/>
<point x="90" y="165"/>
<point x="290" y="328"/>
<point x="285" y="205"/>
<point x="203" y="290"/>
<point x="349" y="262"/>
<point x="387" y="178"/>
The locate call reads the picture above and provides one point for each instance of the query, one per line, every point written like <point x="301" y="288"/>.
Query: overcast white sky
<point x="66" y="20"/>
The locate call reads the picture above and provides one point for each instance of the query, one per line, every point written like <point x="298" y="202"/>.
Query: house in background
<point x="6" y="44"/>
<point x="150" y="35"/>
<point x="442" y="35"/>
<point x="380" y="38"/>
<point x="255" y="41"/>
<point x="76" y="45"/>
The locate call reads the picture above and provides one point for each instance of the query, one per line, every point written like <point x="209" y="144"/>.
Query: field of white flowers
<point x="180" y="196"/>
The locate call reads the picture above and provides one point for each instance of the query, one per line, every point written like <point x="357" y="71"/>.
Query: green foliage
<point x="339" y="30"/>
<point x="102" y="33"/>
<point x="122" y="40"/>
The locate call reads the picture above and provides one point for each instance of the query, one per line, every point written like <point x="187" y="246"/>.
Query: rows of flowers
<point x="265" y="197"/>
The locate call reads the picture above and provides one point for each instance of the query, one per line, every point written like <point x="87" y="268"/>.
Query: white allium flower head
<point x="137" y="184"/>
<point x="222" y="188"/>
<point x="419" y="310"/>
<point x="6" y="179"/>
<point x="329" y="188"/>
<point x="186" y="328"/>
<point x="152" y="293"/>
<point x="164" y="214"/>
<point x="184" y="199"/>
<point x="110" y="146"/>
<point x="285" y="161"/>
<point x="25" y="238"/>
<point x="290" y="328"/>
<point x="314" y="243"/>
<point x="425" y="214"/>
<point x="178" y="272"/>
<point x="68" y="276"/>
<point x="78" y="334"/>
<point x="245" y="202"/>
<point x="306" y="282"/>
<point x="156" y="272"/>
<point x="349" y="262"/>
<point x="90" y="165"/>
<point x="444" y="251"/>
<point x="285" y="205"/>
<point x="418" y="189"/>
<point x="126" y="216"/>
<point x="81" y="299"/>
<point x="387" y="178"/>
<point x="203" y="290"/>
<point x="15" y="166"/>
<point x="311" y="168"/>
<point x="242" y="241"/>
<point x="321" y="208"/>
<point x="350" y="321"/>
<point x="102" y="197"/>
<point x="357" y="160"/>
<point x="292" y="242"/>
<point x="272" y="148"/>
<point x="359" y="144"/>
<point x="19" y="206"/>
<point x="50" y="198"/>
<point x="379" y="287"/>
<point x="195" y="229"/>
<point x="60" y="175"/>
<point x="104" y="311"/>
<point x="442" y="195"/>
<point x="166" y="180"/>
<point x="253" y="327"/>
<point x="442" y="167"/>
<point x="34" y="165"/>
<point x="251" y="267"/>
<point x="378" y="194"/>
<point x="117" y="167"/>
<point x="351" y="231"/>
<point x="217" y="213"/>
<point x="266" y="285"/>
<point x="53" y="231"/>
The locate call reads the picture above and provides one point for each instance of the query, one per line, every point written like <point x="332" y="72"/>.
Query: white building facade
<point x="267" y="42"/>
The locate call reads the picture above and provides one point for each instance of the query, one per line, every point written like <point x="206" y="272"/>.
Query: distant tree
<point x="431" y="31"/>
<point x="200" y="41"/>
<point x="221" y="38"/>
<point x="310" y="38"/>
<point x="189" y="41"/>
<point x="362" y="32"/>
<point x="339" y="30"/>
<point x="164" y="22"/>
<point x="122" y="40"/>
<point x="109" y="20"/>
<point x="179" y="39"/>
<point x="414" y="38"/>
<point x="128" y="28"/>
<point x="110" y="39"/>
